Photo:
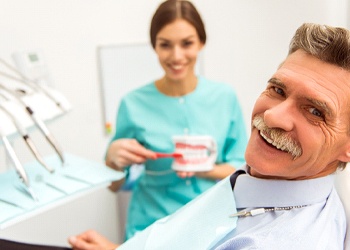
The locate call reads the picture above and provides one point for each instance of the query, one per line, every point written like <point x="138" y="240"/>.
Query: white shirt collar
<point x="255" y="192"/>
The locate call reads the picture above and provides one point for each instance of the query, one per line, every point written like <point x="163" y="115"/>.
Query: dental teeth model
<point x="198" y="153"/>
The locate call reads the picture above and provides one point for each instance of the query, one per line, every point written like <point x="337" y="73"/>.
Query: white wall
<point x="247" y="39"/>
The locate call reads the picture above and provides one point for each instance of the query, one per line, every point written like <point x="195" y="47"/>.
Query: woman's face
<point x="177" y="46"/>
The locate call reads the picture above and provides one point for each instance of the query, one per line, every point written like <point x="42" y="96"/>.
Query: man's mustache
<point x="280" y="139"/>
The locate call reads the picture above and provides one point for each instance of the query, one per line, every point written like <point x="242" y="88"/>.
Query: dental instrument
<point x="38" y="122"/>
<point x="18" y="166"/>
<point x="26" y="137"/>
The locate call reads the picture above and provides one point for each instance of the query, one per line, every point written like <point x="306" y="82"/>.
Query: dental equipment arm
<point x="38" y="122"/>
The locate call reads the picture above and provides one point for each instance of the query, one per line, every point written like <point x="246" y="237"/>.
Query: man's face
<point x="300" y="127"/>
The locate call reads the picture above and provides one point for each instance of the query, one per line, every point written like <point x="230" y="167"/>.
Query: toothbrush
<point x="169" y="155"/>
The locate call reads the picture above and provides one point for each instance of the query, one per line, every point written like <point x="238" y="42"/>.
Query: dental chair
<point x="342" y="184"/>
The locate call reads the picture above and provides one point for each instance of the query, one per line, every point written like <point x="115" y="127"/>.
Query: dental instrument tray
<point x="78" y="177"/>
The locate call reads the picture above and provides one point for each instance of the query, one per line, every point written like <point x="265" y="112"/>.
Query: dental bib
<point x="198" y="225"/>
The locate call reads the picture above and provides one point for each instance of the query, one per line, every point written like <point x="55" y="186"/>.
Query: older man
<point x="285" y="198"/>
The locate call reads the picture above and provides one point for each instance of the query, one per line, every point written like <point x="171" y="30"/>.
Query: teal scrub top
<point x="152" y="118"/>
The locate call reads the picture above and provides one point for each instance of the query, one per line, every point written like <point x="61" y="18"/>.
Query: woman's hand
<point x="91" y="240"/>
<point x="125" y="152"/>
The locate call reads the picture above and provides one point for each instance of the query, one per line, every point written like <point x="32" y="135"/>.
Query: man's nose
<point x="280" y="116"/>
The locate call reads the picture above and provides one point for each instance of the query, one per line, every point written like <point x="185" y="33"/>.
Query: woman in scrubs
<point x="179" y="103"/>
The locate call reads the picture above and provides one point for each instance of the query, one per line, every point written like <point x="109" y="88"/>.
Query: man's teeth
<point x="281" y="147"/>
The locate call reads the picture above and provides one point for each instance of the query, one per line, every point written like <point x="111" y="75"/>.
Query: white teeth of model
<point x="184" y="153"/>
<point x="194" y="154"/>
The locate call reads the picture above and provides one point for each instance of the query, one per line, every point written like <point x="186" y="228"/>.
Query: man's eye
<point x="315" y="112"/>
<point x="279" y="91"/>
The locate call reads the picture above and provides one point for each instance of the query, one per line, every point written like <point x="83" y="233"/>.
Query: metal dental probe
<point x="26" y="138"/>
<point x="38" y="122"/>
<point x="18" y="166"/>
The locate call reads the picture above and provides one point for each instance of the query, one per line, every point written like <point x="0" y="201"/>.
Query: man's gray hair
<point x="327" y="43"/>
